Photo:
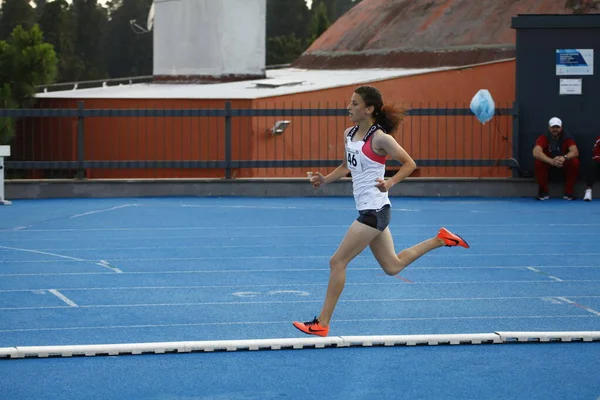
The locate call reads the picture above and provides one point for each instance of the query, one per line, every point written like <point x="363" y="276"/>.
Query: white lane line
<point x="214" y="271"/>
<point x="276" y="241"/>
<point x="299" y="257"/>
<point x="187" y="228"/>
<point x="239" y="286"/>
<point x="265" y="270"/>
<point x="106" y="264"/>
<point x="230" y="271"/>
<point x="588" y="309"/>
<point x="102" y="210"/>
<point x="18" y="228"/>
<point x="544" y="273"/>
<point x="262" y="302"/>
<point x="143" y="326"/>
<point x="259" y="246"/>
<point x="102" y="263"/>
<point x="312" y="227"/>
<point x="39" y="252"/>
<point x="62" y="297"/>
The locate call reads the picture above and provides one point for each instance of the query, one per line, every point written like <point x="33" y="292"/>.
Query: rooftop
<point x="279" y="82"/>
<point x="427" y="34"/>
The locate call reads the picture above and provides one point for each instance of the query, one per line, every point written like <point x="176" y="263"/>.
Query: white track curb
<point x="294" y="343"/>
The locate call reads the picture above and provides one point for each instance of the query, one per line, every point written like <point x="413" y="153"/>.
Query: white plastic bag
<point x="482" y="105"/>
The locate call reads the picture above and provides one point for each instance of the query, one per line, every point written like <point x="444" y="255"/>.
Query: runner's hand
<point x="383" y="185"/>
<point x="316" y="179"/>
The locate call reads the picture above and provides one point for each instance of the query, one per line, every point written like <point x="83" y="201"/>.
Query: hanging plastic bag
<point x="482" y="105"/>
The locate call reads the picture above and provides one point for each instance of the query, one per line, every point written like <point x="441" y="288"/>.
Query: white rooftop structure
<point x="278" y="82"/>
<point x="216" y="39"/>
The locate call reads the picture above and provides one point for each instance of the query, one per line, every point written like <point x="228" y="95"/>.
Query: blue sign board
<point x="574" y="62"/>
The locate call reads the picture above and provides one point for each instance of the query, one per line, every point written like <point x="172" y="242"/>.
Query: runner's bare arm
<point x="388" y="145"/>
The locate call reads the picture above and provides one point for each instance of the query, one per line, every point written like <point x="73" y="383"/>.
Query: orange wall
<point x="166" y="139"/>
<point x="305" y="138"/>
<point x="139" y="138"/>
<point x="47" y="139"/>
<point x="203" y="138"/>
<point x="422" y="137"/>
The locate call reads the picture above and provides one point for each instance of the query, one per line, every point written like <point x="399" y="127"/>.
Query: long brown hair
<point x="388" y="116"/>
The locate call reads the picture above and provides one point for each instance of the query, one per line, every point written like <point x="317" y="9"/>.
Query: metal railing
<point x="220" y="141"/>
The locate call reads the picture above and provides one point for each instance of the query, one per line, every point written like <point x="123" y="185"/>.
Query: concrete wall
<point x="413" y="187"/>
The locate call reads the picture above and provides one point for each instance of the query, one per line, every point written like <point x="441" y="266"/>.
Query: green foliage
<point x="320" y="20"/>
<point x="56" y="22"/>
<point x="6" y="123"/>
<point x="25" y="62"/>
<point x="128" y="53"/>
<point x="14" y="13"/>
<point x="94" y="40"/>
<point x="84" y="40"/>
<point x="342" y="7"/>
<point x="284" y="49"/>
<point x="90" y="20"/>
<point x="334" y="8"/>
<point x="292" y="26"/>
<point x="287" y="17"/>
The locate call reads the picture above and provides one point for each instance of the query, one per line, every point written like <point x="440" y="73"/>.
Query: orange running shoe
<point x="451" y="239"/>
<point x="312" y="328"/>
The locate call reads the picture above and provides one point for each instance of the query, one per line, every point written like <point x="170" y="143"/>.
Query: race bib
<point x="353" y="160"/>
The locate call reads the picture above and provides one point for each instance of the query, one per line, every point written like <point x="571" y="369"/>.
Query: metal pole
<point x="228" y="140"/>
<point x="515" y="139"/>
<point x="4" y="152"/>
<point x="80" y="141"/>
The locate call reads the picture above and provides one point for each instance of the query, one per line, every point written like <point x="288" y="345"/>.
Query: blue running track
<point x="135" y="270"/>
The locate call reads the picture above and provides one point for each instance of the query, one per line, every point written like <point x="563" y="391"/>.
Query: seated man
<point x="594" y="170"/>
<point x="556" y="149"/>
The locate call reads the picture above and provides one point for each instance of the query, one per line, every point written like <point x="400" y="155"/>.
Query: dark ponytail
<point x="389" y="117"/>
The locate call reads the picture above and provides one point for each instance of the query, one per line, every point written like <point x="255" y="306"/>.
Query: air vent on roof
<point x="272" y="84"/>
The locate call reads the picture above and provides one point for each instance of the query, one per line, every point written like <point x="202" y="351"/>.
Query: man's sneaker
<point x="312" y="328"/>
<point x="588" y="195"/>
<point x="569" y="197"/>
<point x="451" y="239"/>
<point x="542" y="196"/>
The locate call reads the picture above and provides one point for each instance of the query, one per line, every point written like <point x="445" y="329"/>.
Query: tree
<point x="89" y="24"/>
<point x="40" y="4"/>
<point x="330" y="6"/>
<point x="320" y="21"/>
<point x="342" y="7"/>
<point x="25" y="61"/>
<point x="57" y="25"/>
<point x="284" y="49"/>
<point x="39" y="8"/>
<point x="128" y="53"/>
<point x="286" y="17"/>
<point x="335" y="8"/>
<point x="14" y="13"/>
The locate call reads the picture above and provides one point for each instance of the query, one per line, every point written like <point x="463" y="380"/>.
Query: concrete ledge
<point x="411" y="187"/>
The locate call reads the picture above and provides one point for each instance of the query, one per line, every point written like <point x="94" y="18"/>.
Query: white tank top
<point x="365" y="166"/>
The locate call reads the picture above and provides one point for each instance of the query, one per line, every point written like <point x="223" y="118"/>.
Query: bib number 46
<point x="352" y="160"/>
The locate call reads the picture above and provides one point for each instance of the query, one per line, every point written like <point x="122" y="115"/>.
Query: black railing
<point x="234" y="142"/>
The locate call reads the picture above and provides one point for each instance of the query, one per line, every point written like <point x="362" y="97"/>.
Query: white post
<point x="4" y="152"/>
